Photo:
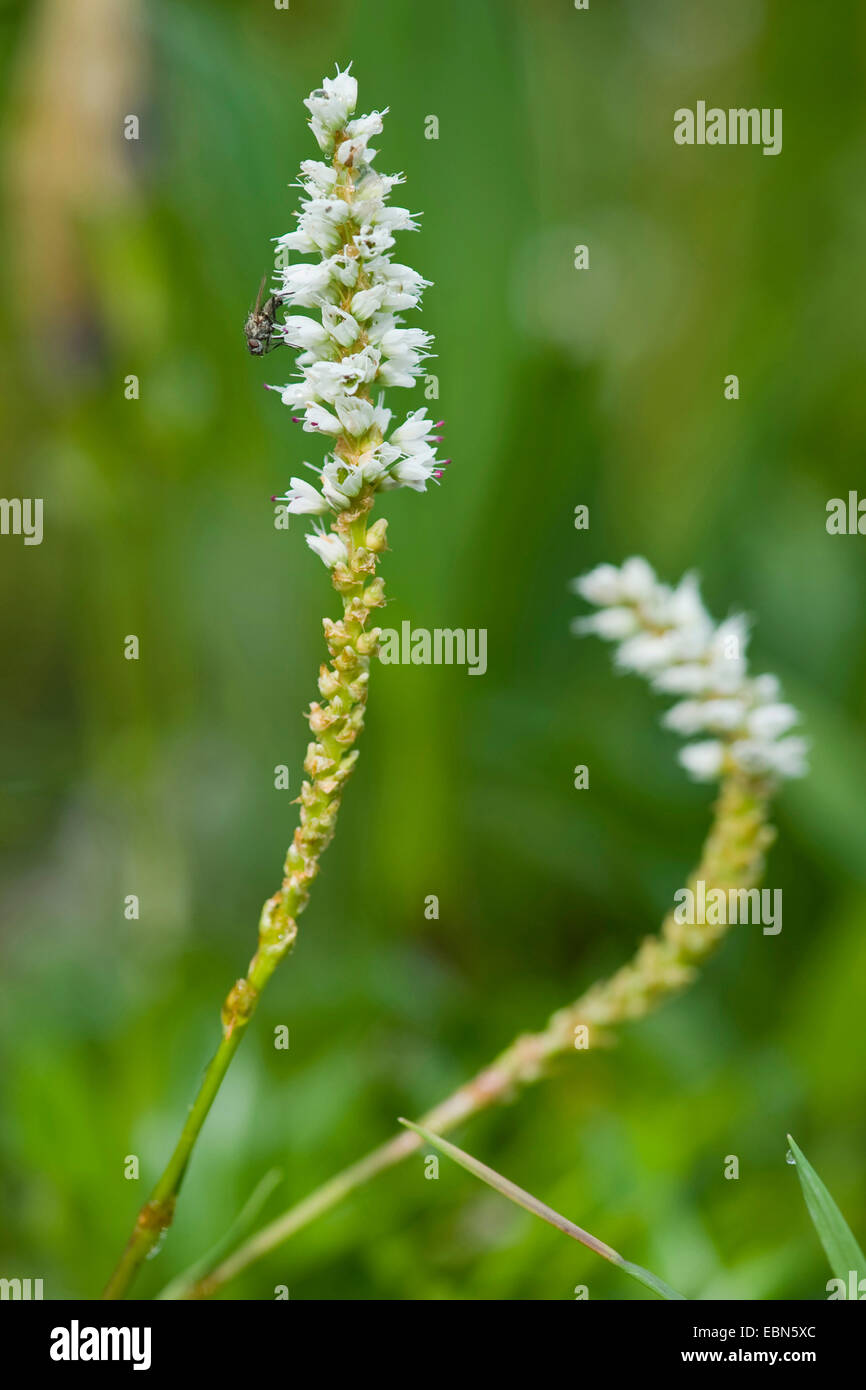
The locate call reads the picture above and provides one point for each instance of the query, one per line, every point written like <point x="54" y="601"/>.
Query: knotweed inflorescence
<point x="358" y="343"/>
<point x="667" y="635"/>
<point x="355" y="346"/>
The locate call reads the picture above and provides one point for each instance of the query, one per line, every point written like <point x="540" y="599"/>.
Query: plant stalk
<point x="329" y="762"/>
<point x="732" y="857"/>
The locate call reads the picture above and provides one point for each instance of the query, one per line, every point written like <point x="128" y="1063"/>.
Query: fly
<point x="259" y="326"/>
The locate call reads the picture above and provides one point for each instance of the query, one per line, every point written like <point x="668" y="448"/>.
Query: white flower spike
<point x="667" y="635"/>
<point x="357" y="346"/>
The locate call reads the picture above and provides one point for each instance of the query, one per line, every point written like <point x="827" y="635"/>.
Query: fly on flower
<point x="352" y="347"/>
<point x="259" y="325"/>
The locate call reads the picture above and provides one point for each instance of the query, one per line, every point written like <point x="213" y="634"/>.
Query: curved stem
<point x="732" y="857"/>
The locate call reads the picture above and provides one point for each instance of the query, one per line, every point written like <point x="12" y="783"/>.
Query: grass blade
<point x="238" y="1229"/>
<point x="525" y="1199"/>
<point x="835" y="1235"/>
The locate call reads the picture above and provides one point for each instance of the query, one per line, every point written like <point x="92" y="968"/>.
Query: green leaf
<point x="525" y="1199"/>
<point x="838" y="1240"/>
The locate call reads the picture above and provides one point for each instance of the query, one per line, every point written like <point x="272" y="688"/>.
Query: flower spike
<point x="667" y="636"/>
<point x="353" y="343"/>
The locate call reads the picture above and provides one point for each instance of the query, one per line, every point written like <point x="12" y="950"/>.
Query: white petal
<point x="611" y="624"/>
<point x="303" y="498"/>
<point x="329" y="548"/>
<point x="686" y="717"/>
<point x="646" y="652"/>
<point x="687" y="678"/>
<point x="638" y="580"/>
<point x="788" y="757"/>
<point x="356" y="415"/>
<point x="703" y="761"/>
<point x="766" y="689"/>
<point x="317" y="418"/>
<point x="769" y="721"/>
<point x="601" y="585"/>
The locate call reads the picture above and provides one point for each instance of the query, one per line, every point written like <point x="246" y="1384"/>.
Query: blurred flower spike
<point x="667" y="636"/>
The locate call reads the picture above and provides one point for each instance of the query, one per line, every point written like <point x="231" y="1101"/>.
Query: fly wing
<point x="260" y="293"/>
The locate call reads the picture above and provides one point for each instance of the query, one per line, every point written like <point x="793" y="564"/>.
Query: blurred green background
<point x="559" y="387"/>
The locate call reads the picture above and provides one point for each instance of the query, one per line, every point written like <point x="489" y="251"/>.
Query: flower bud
<point x="374" y="594"/>
<point x="375" y="538"/>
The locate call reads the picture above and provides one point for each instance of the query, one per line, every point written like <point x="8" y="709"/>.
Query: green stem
<point x="329" y="763"/>
<point x="156" y="1214"/>
<point x="733" y="856"/>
